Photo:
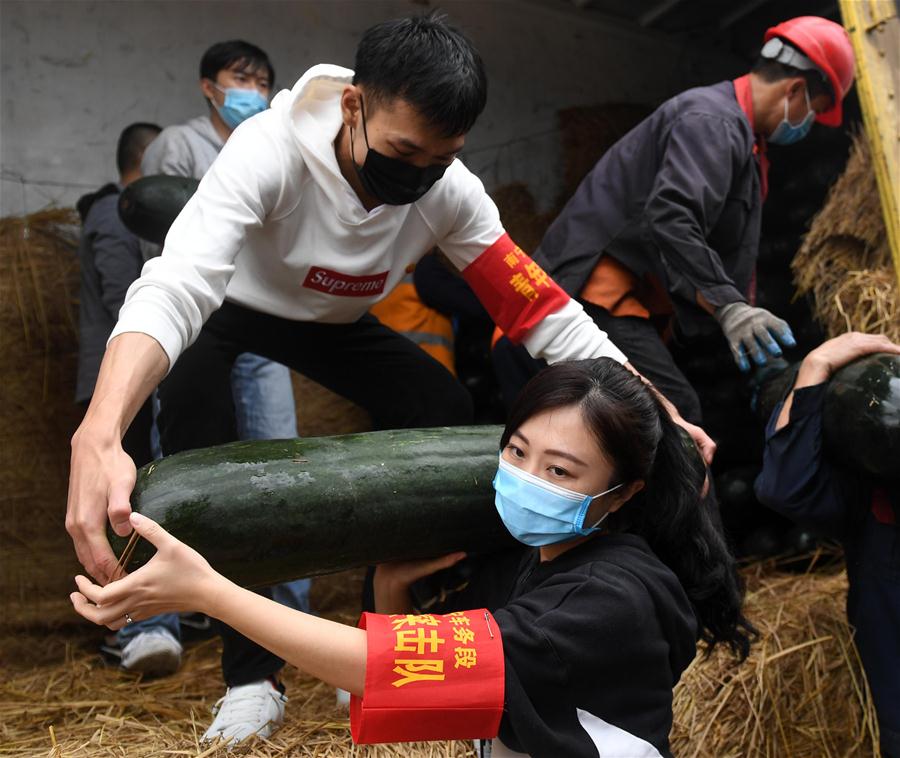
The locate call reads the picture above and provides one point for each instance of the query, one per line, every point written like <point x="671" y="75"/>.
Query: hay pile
<point x="58" y="700"/>
<point x="801" y="693"/>
<point x="845" y="260"/>
<point x="39" y="344"/>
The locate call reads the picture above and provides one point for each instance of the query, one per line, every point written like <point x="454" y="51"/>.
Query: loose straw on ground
<point x="801" y="693"/>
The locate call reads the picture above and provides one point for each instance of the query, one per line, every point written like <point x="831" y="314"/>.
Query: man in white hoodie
<point x="313" y="212"/>
<point x="236" y="79"/>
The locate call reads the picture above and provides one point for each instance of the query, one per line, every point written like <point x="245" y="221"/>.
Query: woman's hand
<point x="392" y="580"/>
<point x="176" y="579"/>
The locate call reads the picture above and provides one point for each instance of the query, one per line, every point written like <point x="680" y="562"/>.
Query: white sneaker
<point x="249" y="709"/>
<point x="155" y="652"/>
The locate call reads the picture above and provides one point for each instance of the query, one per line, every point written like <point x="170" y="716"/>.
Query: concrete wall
<point x="75" y="73"/>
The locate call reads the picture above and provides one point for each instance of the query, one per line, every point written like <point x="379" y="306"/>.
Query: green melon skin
<point x="862" y="416"/>
<point x="149" y="205"/>
<point x="264" y="512"/>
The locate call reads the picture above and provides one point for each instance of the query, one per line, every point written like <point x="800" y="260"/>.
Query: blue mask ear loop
<point x="582" y="512"/>
<point x="808" y="111"/>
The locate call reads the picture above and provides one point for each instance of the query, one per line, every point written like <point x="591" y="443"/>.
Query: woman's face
<point x="557" y="446"/>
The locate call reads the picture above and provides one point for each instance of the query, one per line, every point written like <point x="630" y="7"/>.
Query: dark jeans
<point x="873" y="608"/>
<point x="636" y="337"/>
<point x="400" y="386"/>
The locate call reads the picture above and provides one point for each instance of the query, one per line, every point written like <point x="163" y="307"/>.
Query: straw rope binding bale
<point x="845" y="260"/>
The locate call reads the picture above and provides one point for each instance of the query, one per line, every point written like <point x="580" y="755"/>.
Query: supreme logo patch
<point x="336" y="283"/>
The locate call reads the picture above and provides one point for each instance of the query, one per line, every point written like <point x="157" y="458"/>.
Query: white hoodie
<point x="275" y="227"/>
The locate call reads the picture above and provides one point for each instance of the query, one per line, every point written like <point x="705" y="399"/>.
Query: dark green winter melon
<point x="264" y="512"/>
<point x="149" y="205"/>
<point x="862" y="415"/>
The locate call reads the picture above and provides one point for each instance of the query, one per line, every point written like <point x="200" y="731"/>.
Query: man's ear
<point x="794" y="86"/>
<point x="208" y="89"/>
<point x="350" y="106"/>
<point x="625" y="494"/>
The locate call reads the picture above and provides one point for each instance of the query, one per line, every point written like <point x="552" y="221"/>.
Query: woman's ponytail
<point x="682" y="528"/>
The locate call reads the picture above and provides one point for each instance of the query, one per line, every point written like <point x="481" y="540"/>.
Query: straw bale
<point x="38" y="341"/>
<point x="801" y="693"/>
<point x="845" y="259"/>
<point x="322" y="412"/>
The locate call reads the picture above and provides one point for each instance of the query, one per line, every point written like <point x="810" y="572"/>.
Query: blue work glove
<point x="753" y="332"/>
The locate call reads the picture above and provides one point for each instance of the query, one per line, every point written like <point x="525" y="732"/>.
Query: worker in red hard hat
<point x="664" y="231"/>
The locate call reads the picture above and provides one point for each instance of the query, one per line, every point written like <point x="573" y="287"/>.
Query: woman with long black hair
<point x="620" y="572"/>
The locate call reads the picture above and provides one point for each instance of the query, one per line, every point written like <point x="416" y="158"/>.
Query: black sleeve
<point x="445" y="291"/>
<point x="581" y="649"/>
<point x="796" y="480"/>
<point x="687" y="198"/>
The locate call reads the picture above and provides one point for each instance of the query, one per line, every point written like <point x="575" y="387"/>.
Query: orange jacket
<point x="406" y="314"/>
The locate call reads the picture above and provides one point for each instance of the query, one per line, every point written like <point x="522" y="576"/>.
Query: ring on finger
<point x="128" y="619"/>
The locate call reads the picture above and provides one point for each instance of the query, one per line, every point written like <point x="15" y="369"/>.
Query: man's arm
<point x="796" y="480"/>
<point x="525" y="302"/>
<point x="102" y="475"/>
<point x="688" y="195"/>
<point x="162" y="315"/>
<point x="687" y="198"/>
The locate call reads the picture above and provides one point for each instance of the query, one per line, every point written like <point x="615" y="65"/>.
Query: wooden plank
<point x="874" y="28"/>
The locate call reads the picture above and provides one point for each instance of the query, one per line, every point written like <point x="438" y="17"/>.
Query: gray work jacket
<point x="678" y="197"/>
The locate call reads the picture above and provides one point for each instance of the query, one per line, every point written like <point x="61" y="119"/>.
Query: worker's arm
<point x="691" y="189"/>
<point x="796" y="479"/>
<point x="178" y="578"/>
<point x="687" y="198"/>
<point x="523" y="300"/>
<point x="821" y="363"/>
<point x="162" y="315"/>
<point x="102" y="475"/>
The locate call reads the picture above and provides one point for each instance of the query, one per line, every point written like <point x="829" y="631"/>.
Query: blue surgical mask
<point x="787" y="133"/>
<point x="538" y="512"/>
<point x="239" y="105"/>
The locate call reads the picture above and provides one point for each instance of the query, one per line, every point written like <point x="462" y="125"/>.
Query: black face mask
<point x="392" y="181"/>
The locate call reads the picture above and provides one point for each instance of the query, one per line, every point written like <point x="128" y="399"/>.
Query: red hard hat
<point x="826" y="44"/>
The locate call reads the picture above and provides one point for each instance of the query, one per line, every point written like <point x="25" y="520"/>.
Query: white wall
<point x="74" y="73"/>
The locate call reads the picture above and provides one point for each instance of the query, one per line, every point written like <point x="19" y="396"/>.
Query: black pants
<point x="636" y="337"/>
<point x="400" y="386"/>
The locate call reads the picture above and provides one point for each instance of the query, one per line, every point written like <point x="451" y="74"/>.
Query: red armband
<point x="430" y="677"/>
<point x="516" y="292"/>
